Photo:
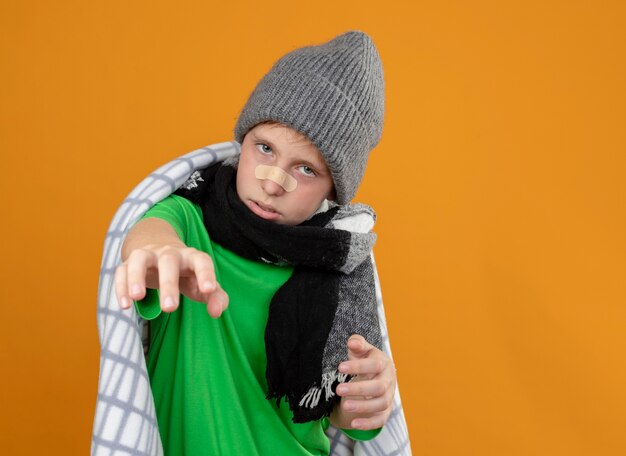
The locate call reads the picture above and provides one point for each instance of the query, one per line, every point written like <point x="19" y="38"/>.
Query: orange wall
<point x="499" y="185"/>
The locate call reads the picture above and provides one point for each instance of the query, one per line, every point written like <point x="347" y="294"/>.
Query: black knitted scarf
<point x="329" y="297"/>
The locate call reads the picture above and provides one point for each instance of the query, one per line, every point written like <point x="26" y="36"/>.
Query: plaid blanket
<point x="125" y="419"/>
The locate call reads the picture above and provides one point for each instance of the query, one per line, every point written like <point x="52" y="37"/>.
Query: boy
<point x="281" y="259"/>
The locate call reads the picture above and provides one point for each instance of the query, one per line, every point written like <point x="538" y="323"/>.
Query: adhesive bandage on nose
<point x="277" y="175"/>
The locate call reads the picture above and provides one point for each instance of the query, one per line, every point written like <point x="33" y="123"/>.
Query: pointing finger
<point x="365" y="389"/>
<point x="217" y="302"/>
<point x="202" y="264"/>
<point x="138" y="262"/>
<point x="169" y="273"/>
<point x="363" y="366"/>
<point x="121" y="286"/>
<point x="369" y="407"/>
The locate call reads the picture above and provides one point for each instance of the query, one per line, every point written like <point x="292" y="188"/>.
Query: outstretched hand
<point x="366" y="400"/>
<point x="173" y="270"/>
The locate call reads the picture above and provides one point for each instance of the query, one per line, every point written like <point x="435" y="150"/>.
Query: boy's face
<point x="280" y="146"/>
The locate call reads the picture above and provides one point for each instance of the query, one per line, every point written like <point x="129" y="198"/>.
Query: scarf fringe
<point x="313" y="395"/>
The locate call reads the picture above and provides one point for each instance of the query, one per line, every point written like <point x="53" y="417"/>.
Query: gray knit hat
<point x="332" y="93"/>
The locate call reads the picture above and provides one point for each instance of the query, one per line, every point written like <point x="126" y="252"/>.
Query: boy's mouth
<point x="263" y="211"/>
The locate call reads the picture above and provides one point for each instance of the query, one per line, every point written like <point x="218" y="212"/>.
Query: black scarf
<point x="329" y="297"/>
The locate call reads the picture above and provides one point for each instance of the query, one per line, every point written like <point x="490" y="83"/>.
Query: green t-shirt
<point x="208" y="375"/>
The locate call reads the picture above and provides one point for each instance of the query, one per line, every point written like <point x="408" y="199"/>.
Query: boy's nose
<point x="272" y="188"/>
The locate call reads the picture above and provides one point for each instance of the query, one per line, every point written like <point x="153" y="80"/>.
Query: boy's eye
<point x="264" y="148"/>
<point x="306" y="170"/>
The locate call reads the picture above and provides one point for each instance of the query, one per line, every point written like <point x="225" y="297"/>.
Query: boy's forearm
<point x="150" y="232"/>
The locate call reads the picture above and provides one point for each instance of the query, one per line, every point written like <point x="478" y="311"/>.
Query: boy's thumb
<point x="357" y="346"/>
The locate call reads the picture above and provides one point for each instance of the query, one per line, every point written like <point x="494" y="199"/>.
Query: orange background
<point x="499" y="185"/>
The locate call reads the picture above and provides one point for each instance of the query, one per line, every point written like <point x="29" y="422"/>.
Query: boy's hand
<point x="366" y="401"/>
<point x="173" y="270"/>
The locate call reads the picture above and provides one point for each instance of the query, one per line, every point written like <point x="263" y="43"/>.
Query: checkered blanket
<point x="125" y="419"/>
